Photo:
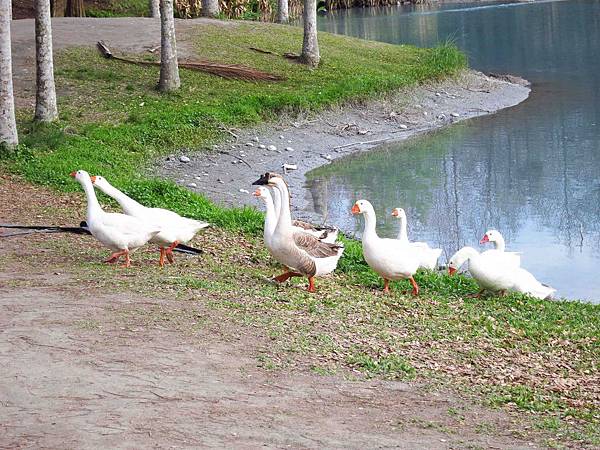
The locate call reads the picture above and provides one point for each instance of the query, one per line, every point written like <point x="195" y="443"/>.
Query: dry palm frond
<point x="229" y="71"/>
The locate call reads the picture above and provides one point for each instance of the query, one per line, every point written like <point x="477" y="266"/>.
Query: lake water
<point x="532" y="171"/>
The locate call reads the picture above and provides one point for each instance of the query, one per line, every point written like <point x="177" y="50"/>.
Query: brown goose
<point x="304" y="254"/>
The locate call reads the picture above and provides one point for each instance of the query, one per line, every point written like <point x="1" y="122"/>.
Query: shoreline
<point x="225" y="173"/>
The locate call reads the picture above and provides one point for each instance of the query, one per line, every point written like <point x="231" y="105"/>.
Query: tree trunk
<point x="8" y="125"/>
<point x="283" y="15"/>
<point x="169" y="69"/>
<point x="75" y="8"/>
<point x="310" y="45"/>
<point x="154" y="8"/>
<point x="45" y="97"/>
<point x="210" y="8"/>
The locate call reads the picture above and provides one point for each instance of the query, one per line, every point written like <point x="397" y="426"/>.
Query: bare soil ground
<point x="89" y="367"/>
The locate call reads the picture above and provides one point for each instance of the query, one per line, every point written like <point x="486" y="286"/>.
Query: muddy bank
<point x="225" y="173"/>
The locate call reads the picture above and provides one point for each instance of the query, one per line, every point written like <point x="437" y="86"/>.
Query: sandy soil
<point x="85" y="368"/>
<point x="226" y="172"/>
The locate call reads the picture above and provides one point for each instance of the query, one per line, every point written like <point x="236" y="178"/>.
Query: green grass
<point x="119" y="8"/>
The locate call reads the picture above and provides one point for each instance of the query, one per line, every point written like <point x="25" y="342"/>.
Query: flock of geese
<point x="303" y="249"/>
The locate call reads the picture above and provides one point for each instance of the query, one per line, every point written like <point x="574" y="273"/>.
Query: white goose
<point x="428" y="256"/>
<point x="303" y="254"/>
<point x="326" y="234"/>
<point x="175" y="229"/>
<point x="390" y="258"/>
<point x="495" y="237"/>
<point x="270" y="217"/>
<point x="123" y="234"/>
<point x="495" y="275"/>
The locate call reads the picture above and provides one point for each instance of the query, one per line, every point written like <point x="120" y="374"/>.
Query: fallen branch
<point x="374" y="141"/>
<point x="228" y="71"/>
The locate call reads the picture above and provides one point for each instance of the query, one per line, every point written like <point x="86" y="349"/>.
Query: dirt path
<point x="86" y="368"/>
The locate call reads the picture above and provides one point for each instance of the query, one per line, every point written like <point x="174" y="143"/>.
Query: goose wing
<point x="315" y="247"/>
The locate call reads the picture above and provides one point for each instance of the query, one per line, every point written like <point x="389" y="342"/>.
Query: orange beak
<point x="451" y="271"/>
<point x="73" y="174"/>
<point x="256" y="193"/>
<point x="395" y="213"/>
<point x="93" y="178"/>
<point x="355" y="209"/>
<point x="484" y="239"/>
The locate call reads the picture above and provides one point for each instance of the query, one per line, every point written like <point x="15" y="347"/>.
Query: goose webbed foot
<point x="169" y="252"/>
<point x="386" y="286"/>
<point x="478" y="295"/>
<point x="285" y="276"/>
<point x="311" y="284"/>
<point x="113" y="258"/>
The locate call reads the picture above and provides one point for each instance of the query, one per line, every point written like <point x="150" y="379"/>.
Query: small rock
<point x="393" y="114"/>
<point x="240" y="161"/>
<point x="289" y="141"/>
<point x="281" y="137"/>
<point x="215" y="146"/>
<point x="288" y="167"/>
<point x="327" y="157"/>
<point x="441" y="116"/>
<point x="244" y="191"/>
<point x="437" y="94"/>
<point x="192" y="185"/>
<point x="272" y="148"/>
<point x="455" y="114"/>
<point x="418" y="106"/>
<point x="198" y="178"/>
<point x="255" y="138"/>
<point x="249" y="144"/>
<point x="220" y="181"/>
<point x="289" y="149"/>
<point x="263" y="146"/>
<point x="363" y="132"/>
<point x="404" y="127"/>
<point x="233" y="162"/>
<point x="184" y="159"/>
<point x="204" y="173"/>
<point x="425" y="113"/>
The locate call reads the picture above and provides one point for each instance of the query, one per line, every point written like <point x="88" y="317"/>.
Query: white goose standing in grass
<point x="174" y="229"/>
<point x="263" y="193"/>
<point x="326" y="234"/>
<point x="390" y="258"/>
<point x="428" y="256"/>
<point x="304" y="254"/>
<point x="122" y="233"/>
<point x="495" y="237"/>
<point x="497" y="275"/>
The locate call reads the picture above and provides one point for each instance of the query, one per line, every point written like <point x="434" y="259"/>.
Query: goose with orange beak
<point x="390" y="258"/>
<point x="428" y="256"/>
<point x="121" y="233"/>
<point x="174" y="229"/>
<point x="497" y="275"/>
<point x="302" y="253"/>
<point x="499" y="250"/>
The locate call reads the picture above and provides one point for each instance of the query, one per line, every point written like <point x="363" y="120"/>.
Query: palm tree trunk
<point x="210" y="8"/>
<point x="154" y="6"/>
<point x="310" y="45"/>
<point x="45" y="98"/>
<point x="8" y="125"/>
<point x="169" y="69"/>
<point x="283" y="15"/>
